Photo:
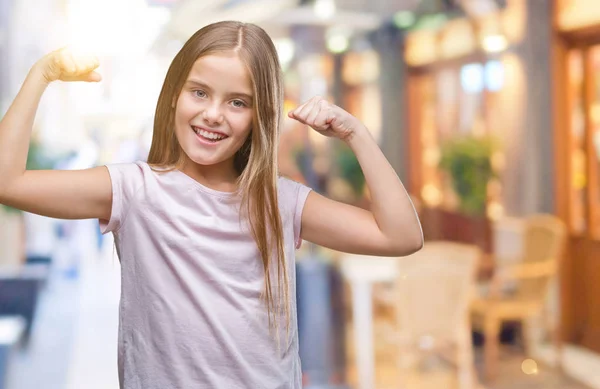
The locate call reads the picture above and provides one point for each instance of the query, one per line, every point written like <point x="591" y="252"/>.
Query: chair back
<point x="434" y="290"/>
<point x="543" y="242"/>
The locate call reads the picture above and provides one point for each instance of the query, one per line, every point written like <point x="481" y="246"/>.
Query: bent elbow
<point x="415" y="245"/>
<point x="409" y="245"/>
<point x="419" y="244"/>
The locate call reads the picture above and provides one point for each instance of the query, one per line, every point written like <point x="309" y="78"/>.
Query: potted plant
<point x="468" y="162"/>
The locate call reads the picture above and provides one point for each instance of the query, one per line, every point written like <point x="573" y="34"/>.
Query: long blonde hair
<point x="256" y="161"/>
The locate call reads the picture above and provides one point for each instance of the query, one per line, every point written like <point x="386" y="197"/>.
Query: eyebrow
<point x="204" y="86"/>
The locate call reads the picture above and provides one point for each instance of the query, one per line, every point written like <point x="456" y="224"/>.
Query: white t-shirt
<point x="191" y="313"/>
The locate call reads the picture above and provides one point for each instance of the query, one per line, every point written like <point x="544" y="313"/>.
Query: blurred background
<point x="489" y="110"/>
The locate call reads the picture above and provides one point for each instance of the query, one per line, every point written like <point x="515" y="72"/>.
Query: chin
<point x="205" y="160"/>
<point x="200" y="160"/>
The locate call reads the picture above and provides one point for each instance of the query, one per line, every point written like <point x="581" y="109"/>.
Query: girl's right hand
<point x="64" y="65"/>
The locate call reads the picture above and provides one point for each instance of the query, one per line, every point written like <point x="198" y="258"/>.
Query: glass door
<point x="584" y="139"/>
<point x="593" y="138"/>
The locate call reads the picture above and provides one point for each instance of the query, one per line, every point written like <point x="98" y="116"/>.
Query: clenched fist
<point x="65" y="65"/>
<point x="326" y="118"/>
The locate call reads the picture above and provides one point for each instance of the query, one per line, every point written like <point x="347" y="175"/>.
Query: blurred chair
<point x="434" y="289"/>
<point x="508" y="236"/>
<point x="19" y="294"/>
<point x="383" y="293"/>
<point x="519" y="288"/>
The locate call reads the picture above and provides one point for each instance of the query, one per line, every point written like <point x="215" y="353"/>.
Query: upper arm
<point x="63" y="194"/>
<point x="346" y="228"/>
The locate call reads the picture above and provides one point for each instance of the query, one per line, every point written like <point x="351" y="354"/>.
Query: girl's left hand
<point x="326" y="118"/>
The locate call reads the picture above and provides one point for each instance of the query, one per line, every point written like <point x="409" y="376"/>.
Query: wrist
<point x="37" y="74"/>
<point x="359" y="135"/>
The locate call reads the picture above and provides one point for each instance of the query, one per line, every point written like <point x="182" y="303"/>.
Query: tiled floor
<point x="436" y="374"/>
<point x="512" y="377"/>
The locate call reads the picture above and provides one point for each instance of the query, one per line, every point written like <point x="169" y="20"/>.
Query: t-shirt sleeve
<point x="126" y="179"/>
<point x="295" y="197"/>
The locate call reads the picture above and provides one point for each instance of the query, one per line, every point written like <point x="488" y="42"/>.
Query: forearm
<point x="16" y="125"/>
<point x="391" y="206"/>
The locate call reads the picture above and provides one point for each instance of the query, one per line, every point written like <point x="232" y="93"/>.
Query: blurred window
<point x="452" y="100"/>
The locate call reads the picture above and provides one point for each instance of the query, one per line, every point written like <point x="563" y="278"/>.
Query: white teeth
<point x="208" y="135"/>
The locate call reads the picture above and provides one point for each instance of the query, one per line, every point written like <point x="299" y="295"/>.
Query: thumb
<point x="92" y="77"/>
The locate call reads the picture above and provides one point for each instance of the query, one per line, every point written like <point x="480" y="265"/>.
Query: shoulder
<point x="134" y="172"/>
<point x="129" y="178"/>
<point x="292" y="194"/>
<point x="289" y="187"/>
<point x="131" y="169"/>
<point x="131" y="183"/>
<point x="284" y="183"/>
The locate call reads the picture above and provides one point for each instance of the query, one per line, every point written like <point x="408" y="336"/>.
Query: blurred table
<point x="361" y="271"/>
<point x="19" y="292"/>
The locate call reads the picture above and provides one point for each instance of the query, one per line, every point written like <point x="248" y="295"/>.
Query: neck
<point x="221" y="177"/>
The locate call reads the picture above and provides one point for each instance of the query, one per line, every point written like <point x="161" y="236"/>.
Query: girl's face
<point x="213" y="115"/>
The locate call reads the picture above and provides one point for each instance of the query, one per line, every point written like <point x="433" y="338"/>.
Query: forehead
<point x="223" y="71"/>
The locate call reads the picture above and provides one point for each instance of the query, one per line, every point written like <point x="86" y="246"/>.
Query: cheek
<point x="182" y="119"/>
<point x="185" y="109"/>
<point x="242" y="123"/>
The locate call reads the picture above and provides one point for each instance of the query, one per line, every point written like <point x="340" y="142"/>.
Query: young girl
<point x="206" y="230"/>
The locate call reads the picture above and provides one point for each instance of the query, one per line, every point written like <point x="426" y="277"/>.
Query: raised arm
<point x="76" y="194"/>
<point x="392" y="227"/>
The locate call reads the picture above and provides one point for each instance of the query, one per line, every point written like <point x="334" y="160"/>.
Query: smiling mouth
<point x="209" y="136"/>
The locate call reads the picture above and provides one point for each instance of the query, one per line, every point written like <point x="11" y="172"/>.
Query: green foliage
<point x="349" y="169"/>
<point x="346" y="164"/>
<point x="37" y="159"/>
<point x="467" y="161"/>
<point x="301" y="158"/>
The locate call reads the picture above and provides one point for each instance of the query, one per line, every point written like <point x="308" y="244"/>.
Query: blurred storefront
<point x="466" y="80"/>
<point x="482" y="87"/>
<point x="577" y="159"/>
<point x="526" y="77"/>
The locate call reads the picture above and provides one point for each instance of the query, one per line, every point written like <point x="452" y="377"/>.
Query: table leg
<point x="363" y="334"/>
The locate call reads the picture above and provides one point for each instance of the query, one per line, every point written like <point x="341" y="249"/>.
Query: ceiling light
<point x="495" y="43"/>
<point x="324" y="9"/>
<point x="285" y="50"/>
<point x="338" y="43"/>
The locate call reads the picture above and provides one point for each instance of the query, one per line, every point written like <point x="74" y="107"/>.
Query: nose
<point x="212" y="114"/>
